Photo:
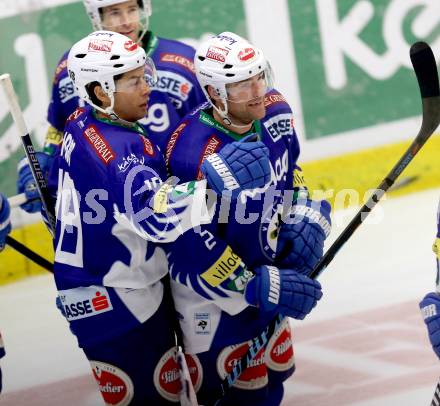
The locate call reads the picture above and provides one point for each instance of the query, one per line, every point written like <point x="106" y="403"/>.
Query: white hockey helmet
<point x="228" y="58"/>
<point x="93" y="6"/>
<point x="101" y="56"/>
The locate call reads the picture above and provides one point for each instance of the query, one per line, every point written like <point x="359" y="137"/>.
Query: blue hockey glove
<point x="283" y="290"/>
<point x="238" y="166"/>
<point x="302" y="235"/>
<point x="5" y="222"/>
<point x="430" y="308"/>
<point x="26" y="182"/>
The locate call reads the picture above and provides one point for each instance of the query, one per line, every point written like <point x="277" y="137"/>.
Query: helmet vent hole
<point x="114" y="57"/>
<point x="201" y="58"/>
<point x="80" y="55"/>
<point x="227" y="66"/>
<point x="230" y="75"/>
<point x="118" y="65"/>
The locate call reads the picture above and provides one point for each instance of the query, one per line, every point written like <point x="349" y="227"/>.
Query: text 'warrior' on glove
<point x="302" y="235"/>
<point x="430" y="308"/>
<point x="283" y="290"/>
<point x="238" y="166"/>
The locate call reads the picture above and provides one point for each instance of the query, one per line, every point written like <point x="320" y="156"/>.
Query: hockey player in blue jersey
<point x="5" y="229"/>
<point x="175" y="93"/>
<point x="430" y="305"/>
<point x="252" y="262"/>
<point x="110" y="199"/>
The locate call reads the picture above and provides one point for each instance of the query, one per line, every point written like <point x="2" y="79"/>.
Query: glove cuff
<point x="250" y="291"/>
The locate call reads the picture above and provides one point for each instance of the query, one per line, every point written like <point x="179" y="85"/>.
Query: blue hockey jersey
<point x="210" y="267"/>
<point x="175" y="94"/>
<point x="111" y="210"/>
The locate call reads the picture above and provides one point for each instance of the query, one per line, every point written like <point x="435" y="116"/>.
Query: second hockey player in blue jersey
<point x="231" y="278"/>
<point x="113" y="208"/>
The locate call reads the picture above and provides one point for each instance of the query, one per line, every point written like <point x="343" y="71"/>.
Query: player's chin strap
<point x="226" y="119"/>
<point x="108" y="111"/>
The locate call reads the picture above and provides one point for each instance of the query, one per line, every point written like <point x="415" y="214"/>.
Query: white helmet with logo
<point x="99" y="57"/>
<point x="228" y="58"/>
<point x="93" y="6"/>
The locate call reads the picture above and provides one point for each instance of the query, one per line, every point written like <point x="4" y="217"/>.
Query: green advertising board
<point x="352" y="60"/>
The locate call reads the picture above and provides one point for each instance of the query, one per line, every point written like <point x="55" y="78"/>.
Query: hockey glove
<point x="26" y="182"/>
<point x="238" y="166"/>
<point x="5" y="222"/>
<point x="302" y="235"/>
<point x="283" y="290"/>
<point x="430" y="308"/>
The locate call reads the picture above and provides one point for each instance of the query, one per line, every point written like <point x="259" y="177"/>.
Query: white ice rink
<point x="365" y="344"/>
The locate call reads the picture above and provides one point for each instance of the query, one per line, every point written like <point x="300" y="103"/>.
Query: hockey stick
<point x="28" y="253"/>
<point x="17" y="115"/>
<point x="425" y="69"/>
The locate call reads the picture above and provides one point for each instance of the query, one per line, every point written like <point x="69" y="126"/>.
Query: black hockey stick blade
<point x="28" y="253"/>
<point x="425" y="69"/>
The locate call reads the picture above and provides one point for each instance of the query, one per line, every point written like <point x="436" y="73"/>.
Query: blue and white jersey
<point x="210" y="267"/>
<point x="176" y="93"/>
<point x="112" y="209"/>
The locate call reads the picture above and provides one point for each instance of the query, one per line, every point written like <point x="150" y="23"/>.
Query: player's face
<point x="131" y="96"/>
<point x="246" y="99"/>
<point x="123" y="18"/>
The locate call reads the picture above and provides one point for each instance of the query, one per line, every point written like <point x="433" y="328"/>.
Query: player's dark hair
<point x="139" y="2"/>
<point x="90" y="87"/>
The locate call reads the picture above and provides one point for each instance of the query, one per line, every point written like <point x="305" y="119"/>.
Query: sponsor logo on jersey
<point x="174" y="84"/>
<point x="254" y="377"/>
<point x="172" y="142"/>
<point x="130" y="45"/>
<point x="223" y="268"/>
<point x="115" y="385"/>
<point x="246" y="54"/>
<point x="79" y="303"/>
<point x="130" y="160"/>
<point x="76" y="114"/>
<point x="211" y="146"/>
<point x="66" y="89"/>
<point x="269" y="228"/>
<point x="98" y="143"/>
<point x="238" y="282"/>
<point x="202" y="323"/>
<point x="100" y="45"/>
<point x="167" y="377"/>
<point x="273" y="99"/>
<point x="279" y="126"/>
<point x="179" y="60"/>
<point x="279" y="353"/>
<point x="148" y="146"/>
<point x="60" y="68"/>
<point x="217" y="54"/>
